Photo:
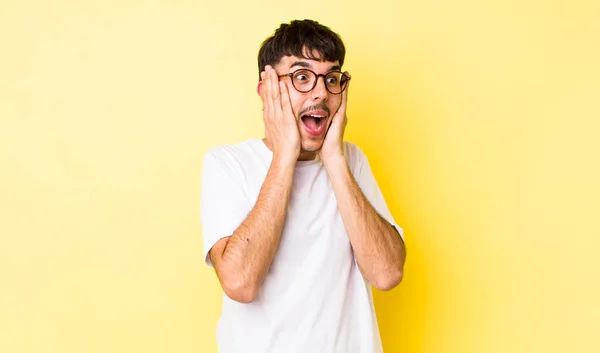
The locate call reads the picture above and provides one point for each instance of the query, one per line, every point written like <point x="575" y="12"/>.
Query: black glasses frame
<point x="344" y="76"/>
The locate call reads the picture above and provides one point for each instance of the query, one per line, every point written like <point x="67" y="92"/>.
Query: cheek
<point x="334" y="104"/>
<point x="296" y="100"/>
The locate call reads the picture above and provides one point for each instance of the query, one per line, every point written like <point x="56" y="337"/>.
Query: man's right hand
<point x="281" y="125"/>
<point x="242" y="260"/>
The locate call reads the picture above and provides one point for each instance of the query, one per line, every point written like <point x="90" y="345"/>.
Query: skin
<point x="243" y="259"/>
<point x="301" y="103"/>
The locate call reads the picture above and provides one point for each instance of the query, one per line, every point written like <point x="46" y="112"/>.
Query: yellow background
<point x="481" y="120"/>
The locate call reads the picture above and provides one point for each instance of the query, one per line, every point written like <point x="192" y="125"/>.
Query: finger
<point x="341" y="112"/>
<point x="268" y="95"/>
<point x="263" y="88"/>
<point x="286" y="105"/>
<point x="275" y="92"/>
<point x="342" y="109"/>
<point x="263" y="84"/>
<point x="345" y="93"/>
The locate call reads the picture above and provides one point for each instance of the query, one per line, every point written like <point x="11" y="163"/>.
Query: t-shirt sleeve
<point x="223" y="205"/>
<point x="368" y="184"/>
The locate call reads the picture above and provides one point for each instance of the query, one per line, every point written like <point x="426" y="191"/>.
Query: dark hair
<point x="304" y="39"/>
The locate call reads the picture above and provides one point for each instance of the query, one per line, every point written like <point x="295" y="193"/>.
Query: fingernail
<point x="267" y="68"/>
<point x="262" y="75"/>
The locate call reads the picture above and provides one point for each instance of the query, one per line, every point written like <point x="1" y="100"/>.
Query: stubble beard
<point x="310" y="146"/>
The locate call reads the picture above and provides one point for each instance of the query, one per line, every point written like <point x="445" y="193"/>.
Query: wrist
<point x="335" y="162"/>
<point x="284" y="160"/>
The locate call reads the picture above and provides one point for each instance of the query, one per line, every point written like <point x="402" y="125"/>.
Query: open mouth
<point x="314" y="124"/>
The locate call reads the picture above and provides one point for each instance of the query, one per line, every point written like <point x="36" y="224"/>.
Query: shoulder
<point x="354" y="154"/>
<point x="229" y="158"/>
<point x="356" y="158"/>
<point x="230" y="153"/>
<point x="232" y="150"/>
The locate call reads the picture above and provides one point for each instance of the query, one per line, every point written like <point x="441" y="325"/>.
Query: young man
<point x="295" y="224"/>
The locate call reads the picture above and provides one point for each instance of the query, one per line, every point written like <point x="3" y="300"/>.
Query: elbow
<point x="388" y="281"/>
<point x="240" y="291"/>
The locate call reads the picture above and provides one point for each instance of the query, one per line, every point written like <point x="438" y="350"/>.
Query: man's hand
<point x="281" y="126"/>
<point x="332" y="146"/>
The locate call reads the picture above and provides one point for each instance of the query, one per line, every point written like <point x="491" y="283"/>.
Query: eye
<point x="332" y="80"/>
<point x="302" y="76"/>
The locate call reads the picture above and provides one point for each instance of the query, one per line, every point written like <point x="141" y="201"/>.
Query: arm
<point x="242" y="260"/>
<point x="377" y="246"/>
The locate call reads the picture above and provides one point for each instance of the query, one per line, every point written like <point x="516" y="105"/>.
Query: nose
<point x="320" y="91"/>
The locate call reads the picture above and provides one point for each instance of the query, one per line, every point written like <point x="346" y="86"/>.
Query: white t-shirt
<point x="314" y="298"/>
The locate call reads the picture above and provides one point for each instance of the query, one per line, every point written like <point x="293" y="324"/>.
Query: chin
<point x="311" y="146"/>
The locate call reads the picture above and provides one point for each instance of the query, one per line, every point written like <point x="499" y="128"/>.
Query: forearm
<point x="248" y="253"/>
<point x="378" y="248"/>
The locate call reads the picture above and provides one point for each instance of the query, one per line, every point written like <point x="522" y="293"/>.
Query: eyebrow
<point x="307" y="65"/>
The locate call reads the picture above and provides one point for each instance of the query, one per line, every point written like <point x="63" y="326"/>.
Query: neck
<point x="304" y="155"/>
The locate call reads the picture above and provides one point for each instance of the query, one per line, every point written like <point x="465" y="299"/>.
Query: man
<point x="295" y="224"/>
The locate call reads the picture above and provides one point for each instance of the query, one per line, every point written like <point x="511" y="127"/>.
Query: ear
<point x="259" y="89"/>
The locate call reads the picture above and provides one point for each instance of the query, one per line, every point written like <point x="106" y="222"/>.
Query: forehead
<point x="288" y="62"/>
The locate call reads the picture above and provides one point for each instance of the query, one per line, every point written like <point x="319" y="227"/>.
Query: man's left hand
<point x="332" y="145"/>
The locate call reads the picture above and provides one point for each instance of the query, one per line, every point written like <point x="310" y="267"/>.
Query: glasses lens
<point x="303" y="80"/>
<point x="336" y="82"/>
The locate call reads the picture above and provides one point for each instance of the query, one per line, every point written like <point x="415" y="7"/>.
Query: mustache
<point x="320" y="106"/>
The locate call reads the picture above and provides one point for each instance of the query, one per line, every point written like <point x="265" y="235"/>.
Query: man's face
<point x="308" y="106"/>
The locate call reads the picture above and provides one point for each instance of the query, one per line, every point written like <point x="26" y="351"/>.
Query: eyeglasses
<point x="305" y="80"/>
